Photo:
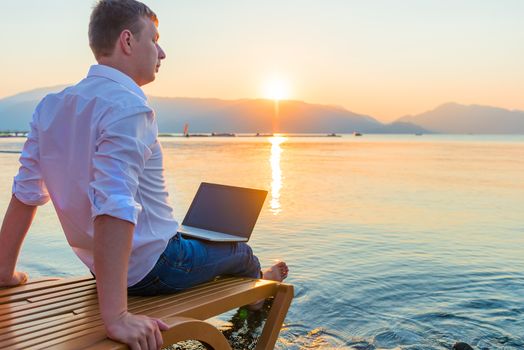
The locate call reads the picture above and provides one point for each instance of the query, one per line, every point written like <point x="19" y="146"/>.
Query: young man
<point x="93" y="151"/>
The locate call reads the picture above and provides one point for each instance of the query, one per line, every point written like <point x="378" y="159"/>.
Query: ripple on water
<point x="389" y="338"/>
<point x="296" y="336"/>
<point x="448" y="327"/>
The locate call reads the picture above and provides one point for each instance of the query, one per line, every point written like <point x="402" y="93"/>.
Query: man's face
<point x="147" y="53"/>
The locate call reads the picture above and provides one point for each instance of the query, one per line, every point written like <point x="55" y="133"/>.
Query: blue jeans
<point x="187" y="262"/>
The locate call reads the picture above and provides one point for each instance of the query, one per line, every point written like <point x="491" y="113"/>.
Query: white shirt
<point x="93" y="150"/>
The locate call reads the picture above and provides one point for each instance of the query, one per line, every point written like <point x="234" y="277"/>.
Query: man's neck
<point x="118" y="65"/>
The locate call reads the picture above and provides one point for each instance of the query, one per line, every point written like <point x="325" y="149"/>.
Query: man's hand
<point x="16" y="279"/>
<point x="137" y="331"/>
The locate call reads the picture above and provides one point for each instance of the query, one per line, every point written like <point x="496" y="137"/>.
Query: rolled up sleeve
<point x="28" y="185"/>
<point x="122" y="150"/>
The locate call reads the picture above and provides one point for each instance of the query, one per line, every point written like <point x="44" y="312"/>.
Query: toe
<point x="284" y="272"/>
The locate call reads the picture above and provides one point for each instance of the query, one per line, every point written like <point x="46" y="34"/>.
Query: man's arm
<point x="113" y="239"/>
<point x="29" y="191"/>
<point x="17" y="221"/>
<point x="120" y="157"/>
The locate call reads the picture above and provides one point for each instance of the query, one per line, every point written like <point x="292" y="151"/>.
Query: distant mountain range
<point x="258" y="115"/>
<point x="453" y="118"/>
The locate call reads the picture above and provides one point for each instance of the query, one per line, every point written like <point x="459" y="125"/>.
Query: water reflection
<point x="276" y="173"/>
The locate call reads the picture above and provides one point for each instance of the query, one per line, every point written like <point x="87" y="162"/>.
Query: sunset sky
<point x="379" y="57"/>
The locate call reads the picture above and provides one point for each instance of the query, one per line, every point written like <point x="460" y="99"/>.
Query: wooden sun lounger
<point x="63" y="313"/>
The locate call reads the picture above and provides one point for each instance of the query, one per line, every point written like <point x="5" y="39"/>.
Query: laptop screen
<point x="226" y="209"/>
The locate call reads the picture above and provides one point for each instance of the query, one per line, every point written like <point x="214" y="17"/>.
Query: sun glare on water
<point x="276" y="172"/>
<point x="276" y="89"/>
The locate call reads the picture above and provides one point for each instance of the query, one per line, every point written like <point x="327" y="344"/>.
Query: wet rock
<point x="461" y="346"/>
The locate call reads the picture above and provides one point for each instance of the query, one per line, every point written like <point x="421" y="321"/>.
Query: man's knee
<point x="251" y="261"/>
<point x="246" y="248"/>
<point x="246" y="251"/>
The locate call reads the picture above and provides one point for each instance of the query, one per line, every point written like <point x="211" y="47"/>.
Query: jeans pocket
<point x="178" y="255"/>
<point x="181" y="262"/>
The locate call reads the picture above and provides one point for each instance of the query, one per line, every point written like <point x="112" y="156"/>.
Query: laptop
<point x="221" y="213"/>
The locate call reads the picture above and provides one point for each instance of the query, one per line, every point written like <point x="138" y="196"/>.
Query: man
<point x="93" y="151"/>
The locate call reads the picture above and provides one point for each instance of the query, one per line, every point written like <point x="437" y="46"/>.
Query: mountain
<point x="256" y="115"/>
<point x="214" y="115"/>
<point x="454" y="118"/>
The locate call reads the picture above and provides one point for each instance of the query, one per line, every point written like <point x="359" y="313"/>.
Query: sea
<point x="393" y="241"/>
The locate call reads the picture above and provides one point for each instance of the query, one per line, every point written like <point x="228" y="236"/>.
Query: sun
<point x="276" y="89"/>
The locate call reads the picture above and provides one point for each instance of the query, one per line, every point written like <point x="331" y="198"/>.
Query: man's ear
<point x="125" y="41"/>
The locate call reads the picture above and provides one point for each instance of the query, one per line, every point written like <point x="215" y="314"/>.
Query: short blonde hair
<point x="110" y="17"/>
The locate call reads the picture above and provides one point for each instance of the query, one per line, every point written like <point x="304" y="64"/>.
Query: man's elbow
<point x="29" y="201"/>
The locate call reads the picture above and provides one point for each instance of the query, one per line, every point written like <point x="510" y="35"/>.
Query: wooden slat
<point x="51" y="330"/>
<point x="43" y="306"/>
<point x="41" y="284"/>
<point x="10" y="305"/>
<point x="40" y="315"/>
<point x="64" y="291"/>
<point x="79" y="342"/>
<point x="36" y="289"/>
<point x="42" y="279"/>
<point x="34" y="281"/>
<point x="33" y="323"/>
<point x="48" y="303"/>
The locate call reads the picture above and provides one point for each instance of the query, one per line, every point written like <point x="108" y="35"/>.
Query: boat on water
<point x="356" y="133"/>
<point x="187" y="134"/>
<point x="332" y="135"/>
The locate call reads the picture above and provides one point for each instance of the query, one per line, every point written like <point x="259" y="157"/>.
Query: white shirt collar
<point x="103" y="71"/>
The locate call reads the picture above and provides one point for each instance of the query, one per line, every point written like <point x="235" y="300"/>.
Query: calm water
<point x="394" y="242"/>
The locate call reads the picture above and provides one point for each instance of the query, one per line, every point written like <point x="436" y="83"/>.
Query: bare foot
<point x="277" y="272"/>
